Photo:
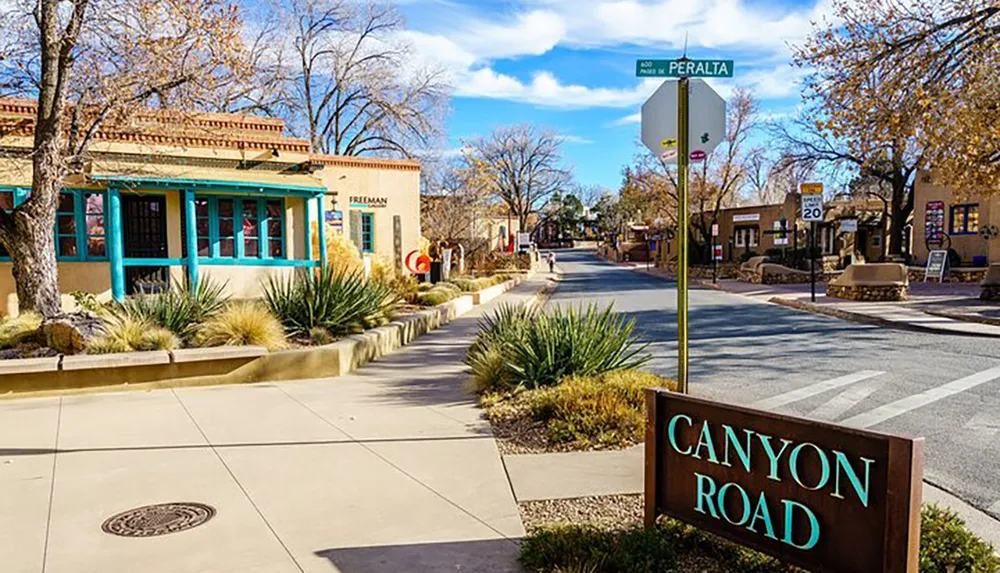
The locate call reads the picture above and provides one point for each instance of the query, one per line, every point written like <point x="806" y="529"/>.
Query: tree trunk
<point x="899" y="214"/>
<point x="32" y="245"/>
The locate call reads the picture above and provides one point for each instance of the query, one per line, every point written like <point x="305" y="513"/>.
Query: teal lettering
<point x="766" y="442"/>
<point x="672" y="433"/>
<point x="743" y="496"/>
<point x="705" y="495"/>
<point x="705" y="440"/>
<point x="852" y="476"/>
<point x="762" y="513"/>
<point x="793" y="463"/>
<point x="742" y="452"/>
<point x="813" y="526"/>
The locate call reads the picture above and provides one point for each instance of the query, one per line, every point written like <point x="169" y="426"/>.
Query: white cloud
<point x="576" y="140"/>
<point x="467" y="47"/>
<point x="629" y="119"/>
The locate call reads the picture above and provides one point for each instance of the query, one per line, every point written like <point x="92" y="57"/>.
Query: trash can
<point x="436" y="268"/>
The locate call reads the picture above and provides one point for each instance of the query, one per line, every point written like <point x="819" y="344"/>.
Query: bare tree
<point x="454" y="204"/>
<point x="94" y="65"/>
<point x="523" y="167"/>
<point x="356" y="82"/>
<point x="769" y="180"/>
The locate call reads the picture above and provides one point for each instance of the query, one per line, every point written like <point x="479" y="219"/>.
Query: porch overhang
<point x="286" y="189"/>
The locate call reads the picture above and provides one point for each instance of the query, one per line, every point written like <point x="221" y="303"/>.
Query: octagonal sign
<point x="707" y="119"/>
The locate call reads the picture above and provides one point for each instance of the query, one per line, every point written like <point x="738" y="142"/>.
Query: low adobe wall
<point x="229" y="364"/>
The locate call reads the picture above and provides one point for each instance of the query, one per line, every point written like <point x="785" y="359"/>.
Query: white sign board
<point x="715" y="230"/>
<point x="849" y="226"/>
<point x="778" y="239"/>
<point x="812" y="207"/>
<point x="745" y="218"/>
<point x="523" y="240"/>
<point x="706" y="119"/>
<point x="937" y="264"/>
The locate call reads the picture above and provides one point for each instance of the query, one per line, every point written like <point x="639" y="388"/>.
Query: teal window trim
<point x="79" y="235"/>
<point x="263" y="254"/>
<point x="367" y="237"/>
<point x="965" y="210"/>
<point x="222" y="262"/>
<point x="211" y="185"/>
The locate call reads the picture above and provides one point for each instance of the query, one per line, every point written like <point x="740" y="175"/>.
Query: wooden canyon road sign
<point x="827" y="498"/>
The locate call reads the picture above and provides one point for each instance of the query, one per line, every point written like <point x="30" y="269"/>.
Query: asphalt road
<point x="944" y="388"/>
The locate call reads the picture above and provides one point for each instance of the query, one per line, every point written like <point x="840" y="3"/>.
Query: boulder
<point x="69" y="333"/>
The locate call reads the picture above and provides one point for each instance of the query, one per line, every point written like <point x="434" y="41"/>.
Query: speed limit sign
<point x="812" y="202"/>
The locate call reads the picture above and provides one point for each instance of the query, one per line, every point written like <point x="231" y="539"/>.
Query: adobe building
<point x="943" y="219"/>
<point x="756" y="229"/>
<point x="219" y="195"/>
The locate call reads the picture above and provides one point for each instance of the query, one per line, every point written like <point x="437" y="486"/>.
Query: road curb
<point x="870" y="320"/>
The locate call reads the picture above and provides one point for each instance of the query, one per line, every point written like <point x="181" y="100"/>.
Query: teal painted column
<point x="322" y="232"/>
<point x="191" y="238"/>
<point x="309" y="244"/>
<point x="116" y="250"/>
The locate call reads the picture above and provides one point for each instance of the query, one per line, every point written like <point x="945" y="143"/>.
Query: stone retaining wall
<point x="960" y="275"/>
<point x="867" y="293"/>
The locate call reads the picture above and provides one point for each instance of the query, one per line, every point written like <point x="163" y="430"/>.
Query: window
<point x="238" y="228"/>
<point x="827" y="239"/>
<point x="965" y="219"/>
<point x="367" y="232"/>
<point x="746" y="236"/>
<point x="876" y="241"/>
<point x="80" y="233"/>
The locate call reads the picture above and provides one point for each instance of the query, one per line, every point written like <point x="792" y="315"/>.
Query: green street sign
<point x="684" y="68"/>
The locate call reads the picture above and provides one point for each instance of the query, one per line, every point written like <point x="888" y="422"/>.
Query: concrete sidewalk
<point x="390" y="468"/>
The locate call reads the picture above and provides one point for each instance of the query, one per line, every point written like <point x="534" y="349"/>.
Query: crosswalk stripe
<point x="904" y="405"/>
<point x="843" y="402"/>
<point x="814" y="389"/>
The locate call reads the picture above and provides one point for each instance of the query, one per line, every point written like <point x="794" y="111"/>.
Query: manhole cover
<point x="159" y="519"/>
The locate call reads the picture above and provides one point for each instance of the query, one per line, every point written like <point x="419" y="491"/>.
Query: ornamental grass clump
<point x="181" y="309"/>
<point x="125" y="333"/>
<point x="243" y="324"/>
<point x="338" y="301"/>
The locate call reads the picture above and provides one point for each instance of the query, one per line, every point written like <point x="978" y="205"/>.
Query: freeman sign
<point x="827" y="498"/>
<point x="370" y="202"/>
<point x="684" y="68"/>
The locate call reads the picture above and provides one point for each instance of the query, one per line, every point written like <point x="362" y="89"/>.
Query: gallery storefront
<point x="227" y="196"/>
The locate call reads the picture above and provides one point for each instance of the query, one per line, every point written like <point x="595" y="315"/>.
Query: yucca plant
<point x="180" y="309"/>
<point x="337" y="300"/>
<point x="489" y="355"/>
<point x="579" y="341"/>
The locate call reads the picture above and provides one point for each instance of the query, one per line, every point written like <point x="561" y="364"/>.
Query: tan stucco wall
<point x="928" y="189"/>
<point x="243" y="281"/>
<point x="88" y="277"/>
<point x="400" y="188"/>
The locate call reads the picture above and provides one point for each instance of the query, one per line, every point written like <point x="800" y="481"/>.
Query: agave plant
<point x="180" y="309"/>
<point x="574" y="341"/>
<point x="337" y="300"/>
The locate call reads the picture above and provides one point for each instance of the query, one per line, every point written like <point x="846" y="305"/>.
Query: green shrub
<point x="574" y="341"/>
<point x="586" y="548"/>
<point x="405" y="287"/>
<point x="88" y="301"/>
<point x="339" y="301"/>
<point x="242" y="324"/>
<point x="946" y="546"/>
<point x="123" y="333"/>
<point x="320" y="336"/>
<point x="17" y="329"/>
<point x="180" y="309"/>
<point x="436" y="296"/>
<point x="607" y="410"/>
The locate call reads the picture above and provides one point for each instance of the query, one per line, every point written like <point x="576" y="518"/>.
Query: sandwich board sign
<point x="937" y="264"/>
<point x="828" y="498"/>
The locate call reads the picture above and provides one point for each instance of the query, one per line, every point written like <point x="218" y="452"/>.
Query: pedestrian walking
<point x="552" y="262"/>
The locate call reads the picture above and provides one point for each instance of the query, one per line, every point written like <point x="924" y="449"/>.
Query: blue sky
<point x="570" y="64"/>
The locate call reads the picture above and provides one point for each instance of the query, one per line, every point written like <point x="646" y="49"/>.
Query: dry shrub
<point x="127" y="333"/>
<point x="243" y="324"/>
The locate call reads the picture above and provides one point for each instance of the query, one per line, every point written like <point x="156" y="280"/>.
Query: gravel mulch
<point x="611" y="511"/>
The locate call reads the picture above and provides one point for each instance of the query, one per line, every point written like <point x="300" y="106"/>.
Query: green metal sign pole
<point x="683" y="151"/>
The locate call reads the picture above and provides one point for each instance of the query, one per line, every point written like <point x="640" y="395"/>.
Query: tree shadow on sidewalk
<point x="487" y="556"/>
